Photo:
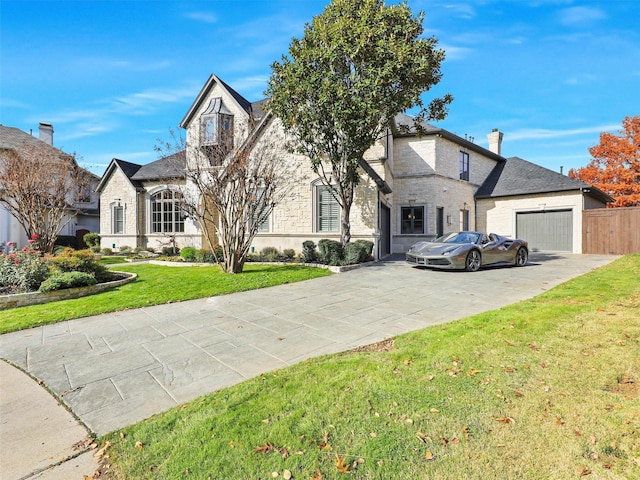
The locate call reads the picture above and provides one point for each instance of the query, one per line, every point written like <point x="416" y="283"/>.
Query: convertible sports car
<point x="468" y="251"/>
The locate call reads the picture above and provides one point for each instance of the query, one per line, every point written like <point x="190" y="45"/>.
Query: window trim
<point x="463" y="166"/>
<point x="412" y="219"/>
<point x="178" y="215"/>
<point x="333" y="217"/>
<point x="465" y="219"/>
<point x="115" y="222"/>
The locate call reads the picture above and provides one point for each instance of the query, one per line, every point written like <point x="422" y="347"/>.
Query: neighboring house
<point x="414" y="187"/>
<point x="83" y="212"/>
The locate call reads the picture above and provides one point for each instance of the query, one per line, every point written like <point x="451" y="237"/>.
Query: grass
<point x="157" y="285"/>
<point x="112" y="260"/>
<point x="546" y="388"/>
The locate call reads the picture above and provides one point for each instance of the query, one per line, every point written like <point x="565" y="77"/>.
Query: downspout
<point x="137" y="207"/>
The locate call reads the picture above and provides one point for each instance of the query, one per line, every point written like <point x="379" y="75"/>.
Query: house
<point x="83" y="212"/>
<point x="413" y="187"/>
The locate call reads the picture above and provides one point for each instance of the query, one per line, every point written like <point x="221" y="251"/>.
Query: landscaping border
<point x="333" y="268"/>
<point x="36" y="298"/>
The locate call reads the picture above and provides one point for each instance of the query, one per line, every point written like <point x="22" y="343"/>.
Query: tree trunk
<point x="345" y="224"/>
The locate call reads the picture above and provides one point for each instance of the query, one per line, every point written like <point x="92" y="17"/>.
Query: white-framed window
<point x="327" y="210"/>
<point x="167" y="215"/>
<point x="264" y="221"/>
<point x="118" y="219"/>
<point x="464" y="219"/>
<point x="464" y="166"/>
<point x="412" y="220"/>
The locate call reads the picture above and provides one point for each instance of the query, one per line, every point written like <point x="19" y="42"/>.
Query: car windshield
<point x="459" y="237"/>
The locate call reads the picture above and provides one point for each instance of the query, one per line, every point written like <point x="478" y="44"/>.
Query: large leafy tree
<point x="615" y="166"/>
<point x="39" y="186"/>
<point x="358" y="64"/>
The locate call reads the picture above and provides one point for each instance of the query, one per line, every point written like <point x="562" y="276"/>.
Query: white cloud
<point x="543" y="133"/>
<point x="101" y="63"/>
<point x="577" y="16"/>
<point x="206" y="17"/>
<point x="463" y="10"/>
<point x="455" y="53"/>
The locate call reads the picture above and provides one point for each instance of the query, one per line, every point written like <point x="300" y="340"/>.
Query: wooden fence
<point x="613" y="231"/>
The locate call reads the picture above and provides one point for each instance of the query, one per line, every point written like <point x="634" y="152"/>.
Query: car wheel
<point x="521" y="257"/>
<point x="473" y="261"/>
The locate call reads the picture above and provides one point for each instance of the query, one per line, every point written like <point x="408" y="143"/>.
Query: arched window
<point x="167" y="215"/>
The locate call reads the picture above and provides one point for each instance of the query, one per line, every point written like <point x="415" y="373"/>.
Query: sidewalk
<point x="116" y="369"/>
<point x="37" y="432"/>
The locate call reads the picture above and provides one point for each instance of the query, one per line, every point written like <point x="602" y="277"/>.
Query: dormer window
<point x="217" y="125"/>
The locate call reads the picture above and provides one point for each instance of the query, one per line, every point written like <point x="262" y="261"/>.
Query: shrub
<point x="23" y="270"/>
<point x="188" y="253"/>
<point x="95" y="249"/>
<point x="67" y="241"/>
<point x="289" y="253"/>
<point x="106" y="251"/>
<point x="204" y="256"/>
<point x="67" y="280"/>
<point x="330" y="251"/>
<point x="126" y="250"/>
<point x="170" y="251"/>
<point x="92" y="239"/>
<point x="80" y="261"/>
<point x="309" y="254"/>
<point x="368" y="246"/>
<point x="354" y="253"/>
<point x="219" y="253"/>
<point x="269" y="254"/>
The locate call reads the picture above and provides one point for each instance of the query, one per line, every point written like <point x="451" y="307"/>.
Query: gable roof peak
<point x="211" y="82"/>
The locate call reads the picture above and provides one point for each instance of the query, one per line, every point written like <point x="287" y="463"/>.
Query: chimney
<point x="495" y="141"/>
<point x="46" y="133"/>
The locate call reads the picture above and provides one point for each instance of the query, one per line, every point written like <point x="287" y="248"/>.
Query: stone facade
<point x="408" y="176"/>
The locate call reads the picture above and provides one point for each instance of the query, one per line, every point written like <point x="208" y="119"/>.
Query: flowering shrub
<point x="23" y="270"/>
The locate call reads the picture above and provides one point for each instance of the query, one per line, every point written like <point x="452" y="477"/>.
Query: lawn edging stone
<point x="37" y="298"/>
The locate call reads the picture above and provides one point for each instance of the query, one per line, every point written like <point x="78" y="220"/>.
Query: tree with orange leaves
<point x="615" y="166"/>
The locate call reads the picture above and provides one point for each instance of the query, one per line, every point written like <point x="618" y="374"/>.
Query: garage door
<point x="546" y="231"/>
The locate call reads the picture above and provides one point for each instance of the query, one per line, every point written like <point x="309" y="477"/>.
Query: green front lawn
<point x="157" y="285"/>
<point x="546" y="388"/>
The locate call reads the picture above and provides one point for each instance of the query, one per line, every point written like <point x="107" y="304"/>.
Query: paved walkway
<point x="116" y="369"/>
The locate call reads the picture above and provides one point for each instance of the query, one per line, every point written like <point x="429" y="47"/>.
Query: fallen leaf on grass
<point x="316" y="475"/>
<point x="505" y="420"/>
<point x="266" y="447"/>
<point x="139" y="445"/>
<point x="584" y="471"/>
<point x="339" y="463"/>
<point x="102" y="451"/>
<point x="428" y="455"/>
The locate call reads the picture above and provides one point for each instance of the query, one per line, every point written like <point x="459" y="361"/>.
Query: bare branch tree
<point x="231" y="193"/>
<point x="39" y="187"/>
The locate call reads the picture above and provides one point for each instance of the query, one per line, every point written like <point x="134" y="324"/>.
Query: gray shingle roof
<point x="169" y="167"/>
<point x="15" y="139"/>
<point x="515" y="176"/>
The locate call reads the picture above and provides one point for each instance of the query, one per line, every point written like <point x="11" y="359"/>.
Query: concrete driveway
<point x="116" y="369"/>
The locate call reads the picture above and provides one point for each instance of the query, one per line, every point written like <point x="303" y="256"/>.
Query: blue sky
<point x="115" y="76"/>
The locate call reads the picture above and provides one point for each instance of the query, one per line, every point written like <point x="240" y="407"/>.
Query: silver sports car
<point x="468" y="251"/>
